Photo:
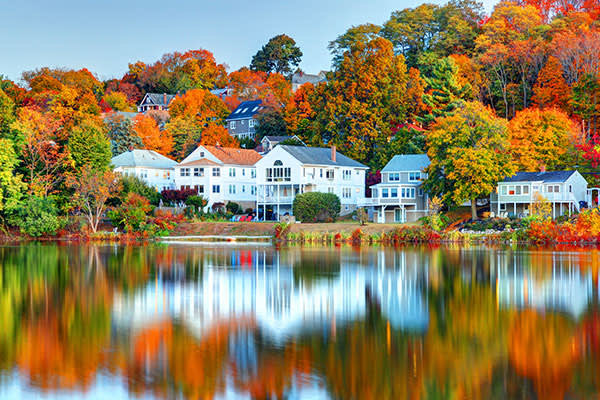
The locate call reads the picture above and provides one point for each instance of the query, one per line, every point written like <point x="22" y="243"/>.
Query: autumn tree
<point x="7" y="114"/>
<point x="218" y="135"/>
<point x="299" y="113"/>
<point x="146" y="128"/>
<point x="270" y="123"/>
<point x="186" y="133"/>
<point x="469" y="154"/>
<point x="365" y="97"/>
<point x="280" y="54"/>
<point x="117" y="101"/>
<point x="585" y="102"/>
<point x="551" y="89"/>
<point x="273" y="89"/>
<point x="43" y="157"/>
<point x="89" y="147"/>
<point x="541" y="139"/>
<point x="92" y="188"/>
<point x="121" y="135"/>
<point x="361" y="33"/>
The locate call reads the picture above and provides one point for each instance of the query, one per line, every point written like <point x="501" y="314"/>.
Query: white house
<point x="400" y="196"/>
<point x="566" y="190"/>
<point x="148" y="165"/>
<point x="155" y="101"/>
<point x="288" y="170"/>
<point x="220" y="175"/>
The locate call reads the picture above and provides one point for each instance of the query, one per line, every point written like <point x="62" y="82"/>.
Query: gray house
<point x="400" y="196"/>
<point x="155" y="101"/>
<point x="566" y="190"/>
<point x="300" y="78"/>
<point x="241" y="122"/>
<point x="269" y="142"/>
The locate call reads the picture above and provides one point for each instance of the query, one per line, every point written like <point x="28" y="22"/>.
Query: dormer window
<point x="237" y="111"/>
<point x="255" y="109"/>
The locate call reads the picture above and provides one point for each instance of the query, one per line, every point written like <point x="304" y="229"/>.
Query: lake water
<point x="200" y="322"/>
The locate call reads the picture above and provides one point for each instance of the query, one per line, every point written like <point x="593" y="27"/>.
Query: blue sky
<point x="106" y="35"/>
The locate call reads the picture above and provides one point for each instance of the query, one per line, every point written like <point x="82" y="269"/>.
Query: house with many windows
<point x="151" y="167"/>
<point x="567" y="191"/>
<point x="400" y="196"/>
<point x="242" y="121"/>
<point x="287" y="171"/>
<point x="155" y="101"/>
<point x="220" y="175"/>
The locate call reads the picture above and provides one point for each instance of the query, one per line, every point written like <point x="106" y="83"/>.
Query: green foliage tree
<point x="186" y="133"/>
<point x="270" y="123"/>
<point x="7" y="114"/>
<point x="133" y="184"/>
<point x="585" y="101"/>
<point x="406" y="140"/>
<point x="316" y="207"/>
<point x="132" y="214"/>
<point x="36" y="216"/>
<point x="11" y="185"/>
<point x="444" y="91"/>
<point x="279" y="55"/>
<point x="89" y="146"/>
<point x="469" y="154"/>
<point x="121" y="135"/>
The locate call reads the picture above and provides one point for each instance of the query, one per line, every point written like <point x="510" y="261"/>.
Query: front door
<point x="398" y="217"/>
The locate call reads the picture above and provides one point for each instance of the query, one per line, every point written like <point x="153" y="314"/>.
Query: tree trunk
<point x="473" y="209"/>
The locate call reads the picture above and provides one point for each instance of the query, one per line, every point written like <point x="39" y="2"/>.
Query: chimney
<point x="333" y="151"/>
<point x="165" y="99"/>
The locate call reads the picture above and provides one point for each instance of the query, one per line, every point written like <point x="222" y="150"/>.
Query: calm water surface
<point x="184" y="321"/>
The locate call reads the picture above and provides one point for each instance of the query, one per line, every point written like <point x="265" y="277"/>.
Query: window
<point x="329" y="189"/>
<point x="166" y="175"/>
<point x="216" y="172"/>
<point x="329" y="174"/>
<point x="201" y="154"/>
<point x="237" y="111"/>
<point x="503" y="190"/>
<point x="185" y="187"/>
<point x="144" y="174"/>
<point x="244" y="110"/>
<point x="570" y="189"/>
<point x="384" y="193"/>
<point x="232" y="172"/>
<point x="347" y="174"/>
<point x="216" y="189"/>
<point x="255" y="108"/>
<point x="198" y="171"/>
<point x="346" y="193"/>
<point x="553" y="189"/>
<point x="231" y="189"/>
<point x="420" y="192"/>
<point x="408" y="193"/>
<point x="279" y="174"/>
<point x="253" y="173"/>
<point x="394" y="192"/>
<point x="199" y="188"/>
<point x="304" y="172"/>
<point x="243" y="171"/>
<point x="321" y="173"/>
<point x="394" y="177"/>
<point x="414" y="176"/>
<point x="373" y="192"/>
<point x="525" y="189"/>
<point x="251" y="123"/>
<point x="502" y="206"/>
<point x="232" y="125"/>
<point x="517" y="190"/>
<point x="184" y="172"/>
<point x="253" y="190"/>
<point x="243" y="188"/>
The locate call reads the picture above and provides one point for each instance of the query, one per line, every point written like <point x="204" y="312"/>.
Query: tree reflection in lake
<point x="203" y="322"/>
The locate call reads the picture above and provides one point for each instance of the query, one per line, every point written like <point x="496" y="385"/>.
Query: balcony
<point x="562" y="197"/>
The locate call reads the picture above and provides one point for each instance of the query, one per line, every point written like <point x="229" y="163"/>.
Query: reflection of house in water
<point x="281" y="302"/>
<point x="563" y="285"/>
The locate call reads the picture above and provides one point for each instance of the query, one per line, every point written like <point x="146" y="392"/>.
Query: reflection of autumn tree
<point x="545" y="349"/>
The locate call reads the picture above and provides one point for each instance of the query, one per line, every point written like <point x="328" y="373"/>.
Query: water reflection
<point x="214" y="322"/>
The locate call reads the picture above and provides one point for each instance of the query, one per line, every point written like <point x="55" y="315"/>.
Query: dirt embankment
<point x="268" y="228"/>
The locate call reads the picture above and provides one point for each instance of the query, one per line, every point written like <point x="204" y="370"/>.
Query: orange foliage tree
<point x="541" y="139"/>
<point x="273" y="89"/>
<point x="551" y="89"/>
<point x="152" y="137"/>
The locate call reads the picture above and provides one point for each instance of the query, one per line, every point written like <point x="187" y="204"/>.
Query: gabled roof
<point x="143" y="158"/>
<point x="233" y="156"/>
<point x="198" y="163"/>
<point x="320" y="156"/>
<point x="246" y="109"/>
<point x="407" y="162"/>
<point x="159" y="98"/>
<point x="549" y="176"/>
<point x="277" y="138"/>
<point x="301" y="78"/>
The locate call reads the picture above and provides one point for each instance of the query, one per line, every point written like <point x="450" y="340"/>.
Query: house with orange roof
<point x="220" y="175"/>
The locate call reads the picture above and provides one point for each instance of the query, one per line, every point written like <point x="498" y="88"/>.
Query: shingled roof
<point x="547" y="176"/>
<point x="234" y="156"/>
<point x="407" y="162"/>
<point x="320" y="156"/>
<point x="159" y="98"/>
<point x="143" y="158"/>
<point x="246" y="109"/>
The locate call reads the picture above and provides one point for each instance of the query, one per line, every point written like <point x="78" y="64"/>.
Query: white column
<point x="278" y="210"/>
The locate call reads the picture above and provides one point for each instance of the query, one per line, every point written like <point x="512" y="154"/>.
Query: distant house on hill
<point x="222" y="93"/>
<point x="300" y="78"/>
<point x="155" y="101"/>
<point x="241" y="123"/>
<point x="151" y="167"/>
<point x="268" y="142"/>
